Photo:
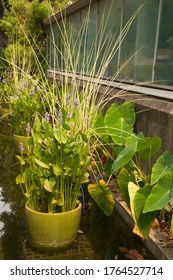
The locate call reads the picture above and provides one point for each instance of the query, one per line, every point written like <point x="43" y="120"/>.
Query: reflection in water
<point x="105" y="234"/>
<point x="11" y="205"/>
<point x="110" y="237"/>
<point x="4" y="207"/>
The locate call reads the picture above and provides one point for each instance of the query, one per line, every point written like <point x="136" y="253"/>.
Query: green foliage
<point x="37" y="12"/>
<point x="119" y="121"/>
<point x="124" y="157"/>
<point x="161" y="193"/>
<point x="163" y="165"/>
<point x="59" y="153"/>
<point x="152" y="193"/>
<point x="136" y="187"/>
<point x="124" y="177"/>
<point x="25" y="102"/>
<point x="25" y="18"/>
<point x="23" y="25"/>
<point x="148" y="146"/>
<point x="102" y="195"/>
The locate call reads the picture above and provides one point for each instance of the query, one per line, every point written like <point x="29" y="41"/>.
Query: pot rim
<point x="79" y="205"/>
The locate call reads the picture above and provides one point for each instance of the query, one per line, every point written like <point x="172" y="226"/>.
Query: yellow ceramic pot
<point x="52" y="230"/>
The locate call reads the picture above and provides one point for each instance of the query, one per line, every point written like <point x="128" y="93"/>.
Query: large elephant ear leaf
<point x="132" y="188"/>
<point x="124" y="157"/>
<point x="144" y="221"/>
<point x="99" y="127"/>
<point x="102" y="195"/>
<point x="119" y="121"/>
<point x="161" y="193"/>
<point x="148" y="146"/>
<point x="124" y="177"/>
<point x="163" y="164"/>
<point x="140" y="199"/>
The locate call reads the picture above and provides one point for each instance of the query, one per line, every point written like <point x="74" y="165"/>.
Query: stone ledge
<point x="156" y="242"/>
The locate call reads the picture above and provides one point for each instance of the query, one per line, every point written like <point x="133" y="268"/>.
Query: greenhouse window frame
<point x="151" y="90"/>
<point x="130" y="85"/>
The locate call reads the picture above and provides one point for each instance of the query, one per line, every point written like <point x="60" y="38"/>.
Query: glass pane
<point x="51" y="46"/>
<point x="130" y="44"/>
<point x="54" y="46"/>
<point x="89" y="42"/>
<point x="49" y="40"/>
<point x="145" y="41"/>
<point x="108" y="32"/>
<point x="164" y="63"/>
<point x="72" y="42"/>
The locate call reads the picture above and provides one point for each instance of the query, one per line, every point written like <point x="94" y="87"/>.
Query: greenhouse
<point x="86" y="131"/>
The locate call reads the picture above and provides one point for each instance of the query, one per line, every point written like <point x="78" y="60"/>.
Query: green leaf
<point x="84" y="137"/>
<point x="99" y="127"/>
<point x="56" y="169"/>
<point x="21" y="159"/>
<point x="103" y="197"/>
<point x="172" y="223"/>
<point x="60" y="136"/>
<point x="47" y="130"/>
<point x="145" y="221"/>
<point x="42" y="164"/>
<point x="66" y="127"/>
<point x="163" y="164"/>
<point x="161" y="193"/>
<point x="60" y="202"/>
<point x="119" y="121"/>
<point x="38" y="137"/>
<point x="148" y="146"/>
<point x="20" y="179"/>
<point x="37" y="124"/>
<point x="132" y="139"/>
<point x="124" y="177"/>
<point x="124" y="157"/>
<point x="140" y="199"/>
<point x="47" y="185"/>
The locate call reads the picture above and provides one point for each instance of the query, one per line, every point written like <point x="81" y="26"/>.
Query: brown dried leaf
<point x="137" y="232"/>
<point x="134" y="255"/>
<point x="155" y="223"/>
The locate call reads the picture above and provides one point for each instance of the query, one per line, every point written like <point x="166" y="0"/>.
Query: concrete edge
<point x="155" y="242"/>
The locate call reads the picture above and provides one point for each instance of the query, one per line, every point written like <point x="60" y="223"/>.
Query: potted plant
<point x="26" y="101"/>
<point x="5" y="105"/>
<point x="59" y="153"/>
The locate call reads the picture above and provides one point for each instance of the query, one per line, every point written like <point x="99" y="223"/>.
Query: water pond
<point x="99" y="237"/>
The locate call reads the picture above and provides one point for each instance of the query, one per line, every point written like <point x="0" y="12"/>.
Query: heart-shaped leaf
<point x="119" y="121"/>
<point x="124" y="157"/>
<point x="163" y="164"/>
<point x="161" y="194"/>
<point x="103" y="197"/>
<point x="42" y="164"/>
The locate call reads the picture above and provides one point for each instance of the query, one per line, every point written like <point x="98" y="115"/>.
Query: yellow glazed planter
<point x="52" y="230"/>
